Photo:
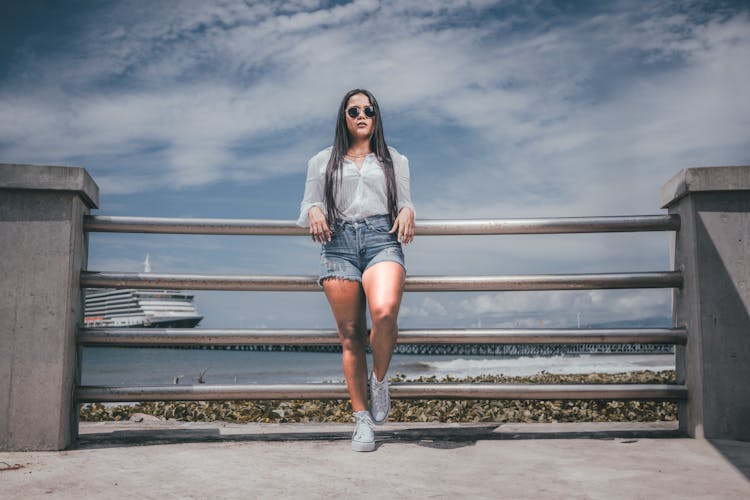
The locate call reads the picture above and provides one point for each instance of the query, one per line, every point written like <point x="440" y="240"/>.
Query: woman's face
<point x="361" y="126"/>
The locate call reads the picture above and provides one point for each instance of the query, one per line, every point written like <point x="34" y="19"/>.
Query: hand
<point x="319" y="230"/>
<point x="404" y="224"/>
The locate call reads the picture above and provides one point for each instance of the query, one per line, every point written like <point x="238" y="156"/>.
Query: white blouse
<point x="363" y="191"/>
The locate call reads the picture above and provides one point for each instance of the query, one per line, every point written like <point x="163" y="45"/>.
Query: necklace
<point x="357" y="157"/>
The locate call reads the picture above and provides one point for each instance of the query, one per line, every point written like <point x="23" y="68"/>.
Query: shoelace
<point x="359" y="435"/>
<point x="361" y="423"/>
<point x="379" y="392"/>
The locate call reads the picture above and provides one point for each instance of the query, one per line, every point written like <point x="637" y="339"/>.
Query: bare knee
<point x="352" y="336"/>
<point x="384" y="314"/>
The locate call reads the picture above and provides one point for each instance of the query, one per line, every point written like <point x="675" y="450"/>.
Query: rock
<point x="142" y="417"/>
<point x="417" y="410"/>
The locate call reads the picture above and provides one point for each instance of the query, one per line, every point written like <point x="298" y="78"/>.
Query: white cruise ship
<point x="130" y="308"/>
<point x="140" y="308"/>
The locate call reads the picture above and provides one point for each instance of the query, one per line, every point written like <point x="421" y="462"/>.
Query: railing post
<point x="42" y="252"/>
<point x="712" y="248"/>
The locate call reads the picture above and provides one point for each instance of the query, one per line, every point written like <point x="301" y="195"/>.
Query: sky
<point x="505" y="109"/>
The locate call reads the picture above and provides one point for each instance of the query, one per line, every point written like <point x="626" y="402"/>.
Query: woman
<point x="358" y="206"/>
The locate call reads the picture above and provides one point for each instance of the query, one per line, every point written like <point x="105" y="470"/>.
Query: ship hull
<point x="131" y="308"/>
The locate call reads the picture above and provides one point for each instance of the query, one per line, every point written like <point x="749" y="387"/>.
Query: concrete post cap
<point x="50" y="178"/>
<point x="692" y="180"/>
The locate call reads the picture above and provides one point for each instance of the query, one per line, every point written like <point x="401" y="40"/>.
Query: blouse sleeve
<point x="403" y="192"/>
<point x="313" y="192"/>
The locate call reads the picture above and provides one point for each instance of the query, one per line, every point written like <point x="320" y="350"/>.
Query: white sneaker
<point x="363" y="438"/>
<point x="380" y="399"/>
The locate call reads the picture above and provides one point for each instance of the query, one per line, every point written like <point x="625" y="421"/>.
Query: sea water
<point x="147" y="366"/>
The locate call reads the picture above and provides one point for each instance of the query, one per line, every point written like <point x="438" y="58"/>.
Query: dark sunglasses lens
<point x="353" y="112"/>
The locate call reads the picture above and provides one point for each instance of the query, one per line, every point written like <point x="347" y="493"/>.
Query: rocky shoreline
<point x="432" y="410"/>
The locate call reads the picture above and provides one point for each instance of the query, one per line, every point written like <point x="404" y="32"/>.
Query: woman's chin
<point x="361" y="133"/>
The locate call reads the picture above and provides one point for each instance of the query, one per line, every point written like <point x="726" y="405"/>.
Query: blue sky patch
<point x="505" y="110"/>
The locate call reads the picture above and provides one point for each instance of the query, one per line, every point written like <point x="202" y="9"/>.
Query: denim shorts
<point x="358" y="245"/>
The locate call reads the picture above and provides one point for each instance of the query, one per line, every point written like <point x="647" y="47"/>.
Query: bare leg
<point x="347" y="302"/>
<point x="384" y="286"/>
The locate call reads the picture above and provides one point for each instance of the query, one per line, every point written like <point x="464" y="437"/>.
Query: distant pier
<point x="478" y="349"/>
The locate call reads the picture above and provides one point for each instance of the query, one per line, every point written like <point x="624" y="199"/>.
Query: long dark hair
<point x="341" y="146"/>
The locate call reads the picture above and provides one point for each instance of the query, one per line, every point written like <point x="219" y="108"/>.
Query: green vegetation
<point x="432" y="410"/>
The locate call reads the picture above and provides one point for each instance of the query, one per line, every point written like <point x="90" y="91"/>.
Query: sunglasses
<point x="353" y="112"/>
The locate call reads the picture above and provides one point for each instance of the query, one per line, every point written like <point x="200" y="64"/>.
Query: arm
<point x="313" y="193"/>
<point x="404" y="222"/>
<point x="311" y="209"/>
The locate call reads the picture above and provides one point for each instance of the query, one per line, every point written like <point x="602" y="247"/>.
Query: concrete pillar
<point x="712" y="249"/>
<point x="42" y="252"/>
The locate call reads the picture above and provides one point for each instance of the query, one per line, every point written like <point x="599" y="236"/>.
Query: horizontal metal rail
<point x="91" y="394"/>
<point x="227" y="337"/>
<point x="208" y="337"/>
<point x="165" y="225"/>
<point x="661" y="279"/>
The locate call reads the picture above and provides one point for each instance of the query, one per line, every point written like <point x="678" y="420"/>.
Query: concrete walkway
<point x="191" y="460"/>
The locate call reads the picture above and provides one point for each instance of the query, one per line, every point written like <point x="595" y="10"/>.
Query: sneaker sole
<point x="358" y="446"/>
<point x="381" y="422"/>
<point x="369" y="395"/>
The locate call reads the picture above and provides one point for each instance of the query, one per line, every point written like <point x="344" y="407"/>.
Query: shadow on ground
<point x="735" y="452"/>
<point x="447" y="437"/>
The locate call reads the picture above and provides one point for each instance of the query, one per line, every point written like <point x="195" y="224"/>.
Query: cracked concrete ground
<point x="219" y="460"/>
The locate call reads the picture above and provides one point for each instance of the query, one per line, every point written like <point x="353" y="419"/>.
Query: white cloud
<point x="428" y="308"/>
<point x="570" y="115"/>
<point x="204" y="77"/>
<point x="565" y="308"/>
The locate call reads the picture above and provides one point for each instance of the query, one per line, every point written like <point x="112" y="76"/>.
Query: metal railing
<point x="227" y="337"/>
<point x="167" y="225"/>
<point x="219" y="337"/>
<point x="203" y="392"/>
<point x="666" y="279"/>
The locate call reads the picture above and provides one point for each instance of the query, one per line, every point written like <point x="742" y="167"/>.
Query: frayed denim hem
<point x="337" y="277"/>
